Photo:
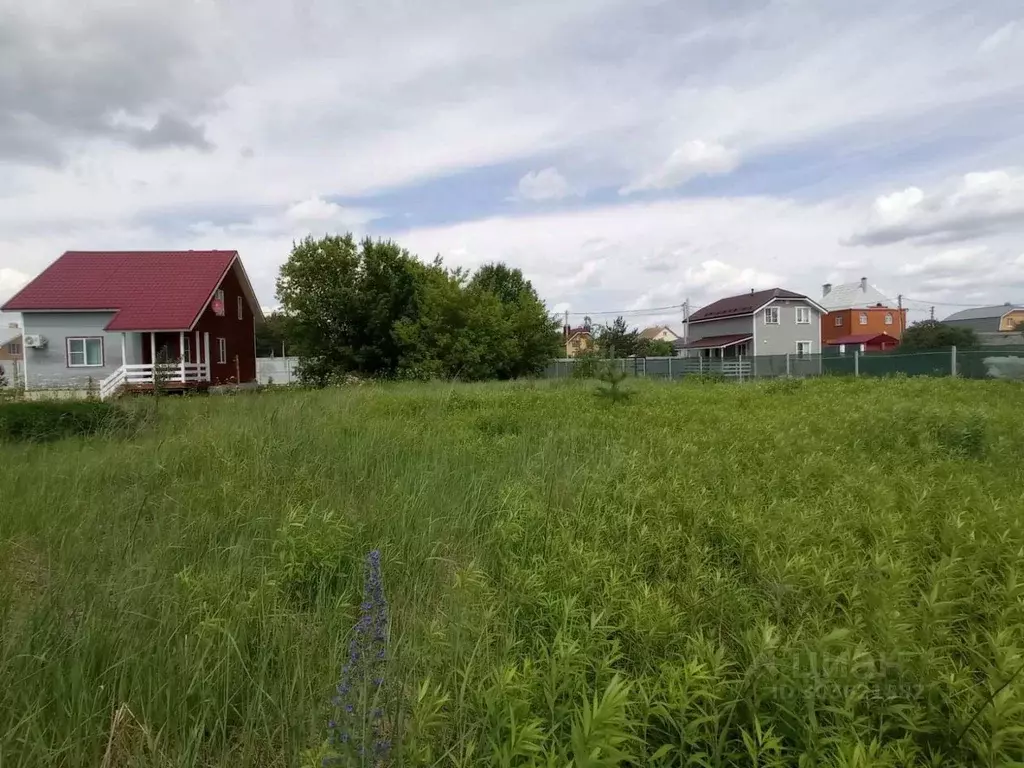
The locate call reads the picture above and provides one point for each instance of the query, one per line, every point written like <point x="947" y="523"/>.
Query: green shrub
<point x="40" y="421"/>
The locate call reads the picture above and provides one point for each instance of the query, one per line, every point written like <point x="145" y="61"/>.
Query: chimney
<point x="864" y="284"/>
<point x="826" y="289"/>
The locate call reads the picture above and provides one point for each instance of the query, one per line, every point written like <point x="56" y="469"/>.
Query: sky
<point x="627" y="155"/>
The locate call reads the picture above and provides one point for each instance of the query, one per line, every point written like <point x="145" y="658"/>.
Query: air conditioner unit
<point x="35" y="341"/>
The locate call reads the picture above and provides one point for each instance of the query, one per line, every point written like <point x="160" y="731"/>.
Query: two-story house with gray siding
<point x="775" y="329"/>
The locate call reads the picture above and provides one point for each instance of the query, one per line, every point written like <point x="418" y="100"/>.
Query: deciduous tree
<point x="932" y="334"/>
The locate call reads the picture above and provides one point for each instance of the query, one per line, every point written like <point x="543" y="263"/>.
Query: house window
<point x="803" y="315"/>
<point x="14" y="348"/>
<point x="771" y="316"/>
<point x="863" y="318"/>
<point x="888" y="318"/>
<point x="839" y="321"/>
<point x="240" y="308"/>
<point x="741" y="349"/>
<point x="85" y="352"/>
<point x="803" y="349"/>
<point x="186" y="349"/>
<point x="222" y="350"/>
<point x="218" y="301"/>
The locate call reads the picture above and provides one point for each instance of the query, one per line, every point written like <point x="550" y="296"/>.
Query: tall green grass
<point x="782" y="573"/>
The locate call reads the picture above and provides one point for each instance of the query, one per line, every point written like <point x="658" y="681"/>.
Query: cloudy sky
<point x="626" y="154"/>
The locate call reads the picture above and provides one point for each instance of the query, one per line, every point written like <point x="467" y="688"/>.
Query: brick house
<point x="859" y="309"/>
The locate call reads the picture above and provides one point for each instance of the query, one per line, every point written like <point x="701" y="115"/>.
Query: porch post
<point x="124" y="349"/>
<point x="206" y="354"/>
<point x="152" y="356"/>
<point x="181" y="355"/>
<point x="198" y="360"/>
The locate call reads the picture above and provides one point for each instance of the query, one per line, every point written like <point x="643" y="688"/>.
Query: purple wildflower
<point x="363" y="672"/>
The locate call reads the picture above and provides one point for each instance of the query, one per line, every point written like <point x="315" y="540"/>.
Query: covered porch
<point x="170" y="360"/>
<point x="733" y="346"/>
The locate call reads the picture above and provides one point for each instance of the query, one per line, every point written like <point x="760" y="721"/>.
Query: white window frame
<point x="862" y="318"/>
<point x="810" y="349"/>
<point x="218" y="295"/>
<point x="14" y="348"/>
<point x="186" y="352"/>
<point x="772" y="312"/>
<point x="84" y="351"/>
<point x="222" y="350"/>
<point x="803" y="312"/>
<point x="839" y="321"/>
<point x="888" y="318"/>
<point x="240" y="303"/>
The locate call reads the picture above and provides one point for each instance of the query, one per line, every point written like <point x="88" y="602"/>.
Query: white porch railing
<point x="168" y="373"/>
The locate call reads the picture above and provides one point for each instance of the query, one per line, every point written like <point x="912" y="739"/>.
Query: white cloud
<point x="694" y="158"/>
<point x="173" y="119"/>
<point x="317" y="212"/>
<point x="11" y="280"/>
<point x="547" y="184"/>
<point x="975" y="205"/>
<point x="1001" y="37"/>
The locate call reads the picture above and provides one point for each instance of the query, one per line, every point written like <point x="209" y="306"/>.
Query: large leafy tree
<point x="374" y="309"/>
<point x="932" y="334"/>
<point x="529" y="337"/>
<point x="341" y="301"/>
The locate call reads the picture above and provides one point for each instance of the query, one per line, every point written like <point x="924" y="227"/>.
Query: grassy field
<point x="781" y="573"/>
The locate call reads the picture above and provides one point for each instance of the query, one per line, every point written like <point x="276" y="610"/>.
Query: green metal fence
<point x="985" y="363"/>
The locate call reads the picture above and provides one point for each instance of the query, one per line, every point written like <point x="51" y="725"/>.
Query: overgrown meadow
<point x="806" y="573"/>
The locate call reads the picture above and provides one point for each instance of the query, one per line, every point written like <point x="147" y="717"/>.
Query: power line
<point x="929" y="302"/>
<point x="642" y="311"/>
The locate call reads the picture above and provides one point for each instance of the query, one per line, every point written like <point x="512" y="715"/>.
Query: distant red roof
<point x="148" y="290"/>
<point x="743" y="304"/>
<point x="865" y="338"/>
<point x="718" y="341"/>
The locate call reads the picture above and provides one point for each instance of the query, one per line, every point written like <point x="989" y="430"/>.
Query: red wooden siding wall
<point x="239" y="334"/>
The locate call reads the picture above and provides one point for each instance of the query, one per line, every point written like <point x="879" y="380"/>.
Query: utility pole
<point x="933" y="314"/>
<point x="686" y="320"/>
<point x="899" y="300"/>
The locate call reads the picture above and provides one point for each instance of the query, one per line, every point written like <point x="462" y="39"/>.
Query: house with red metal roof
<point x="113" y="320"/>
<point x="773" y="323"/>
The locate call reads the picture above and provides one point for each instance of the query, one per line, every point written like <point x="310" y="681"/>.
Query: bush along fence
<point x="985" y="363"/>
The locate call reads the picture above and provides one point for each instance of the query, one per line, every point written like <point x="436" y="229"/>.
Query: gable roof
<point x="743" y="304"/>
<point x="655" y="330"/>
<point x="147" y="290"/>
<point x="854" y="296"/>
<point x="7" y="335"/>
<point x="983" y="313"/>
<point x="864" y="338"/>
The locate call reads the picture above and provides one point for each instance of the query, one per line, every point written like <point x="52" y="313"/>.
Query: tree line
<point x="371" y="308"/>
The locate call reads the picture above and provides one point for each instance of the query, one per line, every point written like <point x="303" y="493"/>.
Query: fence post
<point x="856" y="362"/>
<point x="700" y="364"/>
<point x="952" y="361"/>
<point x="789" y="370"/>
<point x="670" y="369"/>
<point x="739" y="359"/>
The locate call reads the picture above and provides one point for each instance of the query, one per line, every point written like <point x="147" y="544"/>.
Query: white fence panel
<point x="276" y="370"/>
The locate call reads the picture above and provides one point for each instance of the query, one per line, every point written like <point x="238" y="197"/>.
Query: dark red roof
<point x="149" y="290"/>
<point x="865" y="338"/>
<point x="718" y="341"/>
<point x="743" y="304"/>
